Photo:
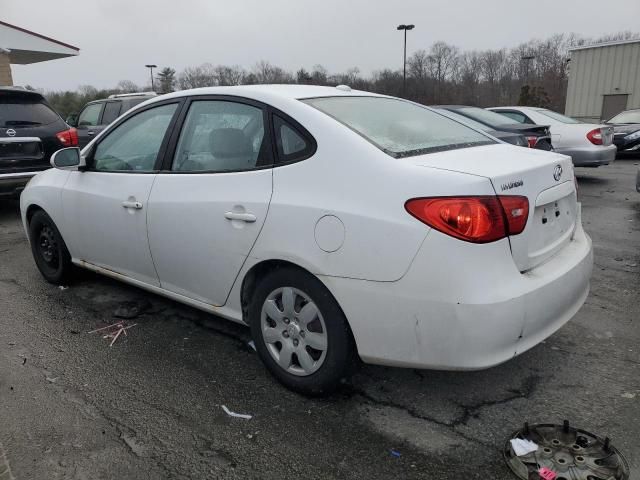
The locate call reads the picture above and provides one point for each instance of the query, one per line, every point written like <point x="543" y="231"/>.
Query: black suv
<point x="30" y="132"/>
<point x="96" y="115"/>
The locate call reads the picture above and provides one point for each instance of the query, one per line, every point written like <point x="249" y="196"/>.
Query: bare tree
<point x="195" y="77"/>
<point x="264" y="72"/>
<point x="127" y="86"/>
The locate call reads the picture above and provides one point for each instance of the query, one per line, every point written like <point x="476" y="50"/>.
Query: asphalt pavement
<point x="150" y="406"/>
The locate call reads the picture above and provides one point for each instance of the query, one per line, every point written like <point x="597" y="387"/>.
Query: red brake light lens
<point x="68" y="138"/>
<point x="516" y="210"/>
<point x="480" y="219"/>
<point x="532" y="141"/>
<point x="595" y="136"/>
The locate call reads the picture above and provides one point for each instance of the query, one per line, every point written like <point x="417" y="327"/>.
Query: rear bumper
<point x="466" y="310"/>
<point x="13" y="183"/>
<point x="590" y="156"/>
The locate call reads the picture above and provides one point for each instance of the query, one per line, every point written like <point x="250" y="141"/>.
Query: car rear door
<point x="208" y="206"/>
<point x="88" y="121"/>
<point x="105" y="207"/>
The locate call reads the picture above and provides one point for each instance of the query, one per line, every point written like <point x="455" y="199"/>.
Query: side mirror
<point x="68" y="159"/>
<point x="72" y="120"/>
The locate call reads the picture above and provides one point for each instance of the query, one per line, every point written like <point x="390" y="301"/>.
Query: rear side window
<point x="292" y="145"/>
<point x="518" y="117"/>
<point x="111" y="112"/>
<point x="398" y="127"/>
<point x="16" y="112"/>
<point x="220" y="136"/>
<point x="90" y="115"/>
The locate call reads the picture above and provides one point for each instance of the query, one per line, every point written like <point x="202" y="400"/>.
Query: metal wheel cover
<point x="294" y="331"/>
<point x="572" y="453"/>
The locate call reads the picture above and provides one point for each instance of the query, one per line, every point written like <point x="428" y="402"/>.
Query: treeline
<point x="533" y="73"/>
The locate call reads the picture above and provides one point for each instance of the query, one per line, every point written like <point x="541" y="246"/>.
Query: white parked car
<point x="589" y="145"/>
<point x="333" y="222"/>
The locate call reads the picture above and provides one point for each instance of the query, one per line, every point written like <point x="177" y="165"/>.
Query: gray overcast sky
<point x="117" y="37"/>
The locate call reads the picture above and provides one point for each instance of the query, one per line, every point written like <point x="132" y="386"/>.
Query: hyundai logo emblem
<point x="557" y="172"/>
<point x="11" y="132"/>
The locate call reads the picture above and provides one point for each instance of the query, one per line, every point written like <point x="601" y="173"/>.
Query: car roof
<point x="21" y="92"/>
<point x="518" y="107"/>
<point x="270" y="92"/>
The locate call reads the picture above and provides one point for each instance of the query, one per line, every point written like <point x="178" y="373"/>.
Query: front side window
<point x="558" y="117"/>
<point x="134" y="144"/>
<point x="90" y="115"/>
<point x="397" y="127"/>
<point x="220" y="136"/>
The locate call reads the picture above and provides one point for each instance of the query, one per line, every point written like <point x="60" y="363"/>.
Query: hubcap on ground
<point x="48" y="246"/>
<point x="294" y="331"/>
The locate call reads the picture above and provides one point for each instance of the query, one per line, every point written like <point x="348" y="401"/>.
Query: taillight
<point x="68" y="138"/>
<point x="480" y="219"/>
<point x="516" y="210"/>
<point x="532" y="141"/>
<point x="595" y="136"/>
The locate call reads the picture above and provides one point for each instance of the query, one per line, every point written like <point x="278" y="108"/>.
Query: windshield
<point x="23" y="113"/>
<point x="630" y="116"/>
<point x="398" y="127"/>
<point x="487" y="117"/>
<point x="557" y="116"/>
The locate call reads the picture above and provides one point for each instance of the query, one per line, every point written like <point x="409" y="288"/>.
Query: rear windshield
<point x="557" y="116"/>
<point x="25" y="113"/>
<point x="397" y="127"/>
<point x="466" y="120"/>
<point x="630" y="116"/>
<point x="488" y="117"/>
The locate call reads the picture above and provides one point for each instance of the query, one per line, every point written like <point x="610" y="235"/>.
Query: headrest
<point x="229" y="142"/>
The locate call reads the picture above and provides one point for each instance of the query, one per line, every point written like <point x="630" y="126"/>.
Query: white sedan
<point x="335" y="223"/>
<point x="588" y="144"/>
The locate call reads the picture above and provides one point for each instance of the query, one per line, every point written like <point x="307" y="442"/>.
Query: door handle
<point x="245" y="217"/>
<point x="134" y="205"/>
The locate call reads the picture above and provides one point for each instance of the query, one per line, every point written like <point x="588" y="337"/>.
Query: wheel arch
<point x="260" y="269"/>
<point x="31" y="210"/>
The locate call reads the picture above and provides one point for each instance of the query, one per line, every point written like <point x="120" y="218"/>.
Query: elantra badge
<point x="557" y="172"/>
<point x="11" y="132"/>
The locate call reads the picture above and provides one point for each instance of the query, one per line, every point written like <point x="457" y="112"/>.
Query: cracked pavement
<point x="150" y="406"/>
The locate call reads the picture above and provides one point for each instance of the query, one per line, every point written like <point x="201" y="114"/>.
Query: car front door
<point x="208" y="206"/>
<point x="105" y="206"/>
<point x="88" y="121"/>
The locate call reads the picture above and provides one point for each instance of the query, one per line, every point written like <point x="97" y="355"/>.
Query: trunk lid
<point x="545" y="178"/>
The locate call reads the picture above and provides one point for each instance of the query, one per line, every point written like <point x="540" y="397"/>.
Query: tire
<point x="49" y="250"/>
<point x="312" y="370"/>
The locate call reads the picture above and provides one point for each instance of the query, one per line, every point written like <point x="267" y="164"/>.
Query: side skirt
<point x="224" y="312"/>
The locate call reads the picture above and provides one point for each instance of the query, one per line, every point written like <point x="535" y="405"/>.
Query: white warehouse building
<point x="604" y="79"/>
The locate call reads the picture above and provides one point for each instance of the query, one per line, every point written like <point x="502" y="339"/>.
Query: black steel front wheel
<point x="49" y="250"/>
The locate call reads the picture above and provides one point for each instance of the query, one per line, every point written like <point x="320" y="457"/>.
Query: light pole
<point x="151" y="67"/>
<point x="404" y="63"/>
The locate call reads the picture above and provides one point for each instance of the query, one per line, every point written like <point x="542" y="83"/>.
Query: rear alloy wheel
<point x="300" y="332"/>
<point x="49" y="250"/>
